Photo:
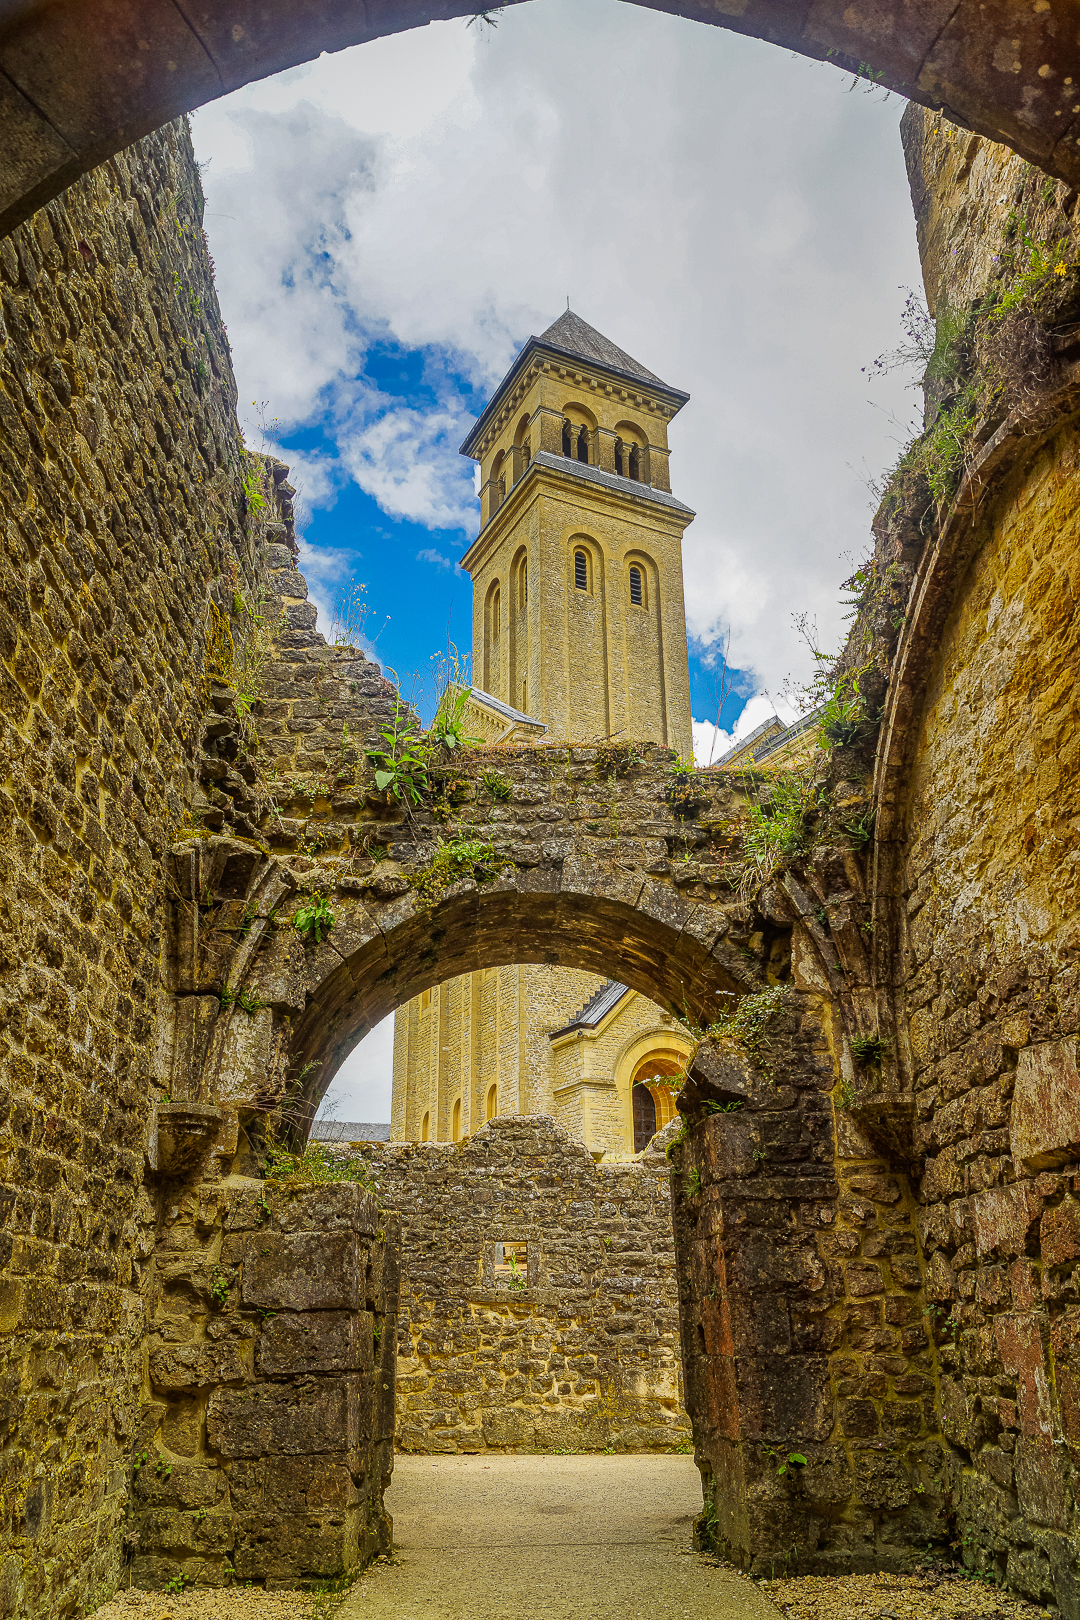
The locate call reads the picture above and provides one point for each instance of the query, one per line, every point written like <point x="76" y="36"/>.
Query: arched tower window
<point x="583" y="445"/>
<point x="524" y="582"/>
<point x="456" y="1131"/>
<point x="425" y="1129"/>
<point x="581" y="570"/>
<point x="567" y="442"/>
<point x="492" y="1102"/>
<point x="637" y="588"/>
<point x="635" y="463"/>
<point x="620" y="456"/>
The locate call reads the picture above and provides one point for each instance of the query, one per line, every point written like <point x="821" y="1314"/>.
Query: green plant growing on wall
<point x="517" y="1277"/>
<point x="220" y="1283"/>
<point x="692" y="1183"/>
<point x="747" y="1022"/>
<point x="783" y="1460"/>
<point x="684" y="792"/>
<point x="448" y="726"/>
<point x="401" y="765"/>
<point x="314" y="918"/>
<point x="775" y="831"/>
<point x="457" y="858"/>
<point x="868" y="1050"/>
<point x="318" y="1164"/>
<point x="254" y="493"/>
<point x="711" y="1107"/>
<point x="497" y="785"/>
<point x="1033" y="263"/>
<point x="860" y="829"/>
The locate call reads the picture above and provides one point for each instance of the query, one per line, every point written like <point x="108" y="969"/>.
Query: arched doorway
<point x="656" y="1078"/>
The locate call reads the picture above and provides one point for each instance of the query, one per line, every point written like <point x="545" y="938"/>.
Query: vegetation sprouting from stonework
<point x="456" y="859"/>
<point x="319" y="1163"/>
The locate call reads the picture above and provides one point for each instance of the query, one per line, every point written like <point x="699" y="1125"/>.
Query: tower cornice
<point x="539" y="354"/>
<point x="566" y="474"/>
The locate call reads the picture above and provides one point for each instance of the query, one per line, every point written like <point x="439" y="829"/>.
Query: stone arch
<point x="75" y="94"/>
<point x="266" y="1015"/>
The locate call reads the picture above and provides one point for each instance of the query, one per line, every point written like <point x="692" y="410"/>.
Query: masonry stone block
<point x="261" y="1419"/>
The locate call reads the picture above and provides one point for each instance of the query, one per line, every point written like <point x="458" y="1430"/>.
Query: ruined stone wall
<point x="122" y="504"/>
<point x="992" y="959"/>
<point x="801" y="1302"/>
<point x="138" y="616"/>
<point x="584" y="1354"/>
<point x="266" y="1433"/>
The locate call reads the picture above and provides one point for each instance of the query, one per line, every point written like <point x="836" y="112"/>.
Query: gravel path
<point x="575" y="1538"/>
<point x="895" y="1597"/>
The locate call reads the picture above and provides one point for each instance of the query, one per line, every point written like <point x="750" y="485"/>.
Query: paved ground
<point x="566" y="1538"/>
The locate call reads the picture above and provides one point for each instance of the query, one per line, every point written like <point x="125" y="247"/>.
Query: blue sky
<point x="391" y="223"/>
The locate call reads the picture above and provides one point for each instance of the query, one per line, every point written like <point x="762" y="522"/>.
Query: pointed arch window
<point x="492" y="1102"/>
<point x="457" y="1120"/>
<point x="425" y="1129"/>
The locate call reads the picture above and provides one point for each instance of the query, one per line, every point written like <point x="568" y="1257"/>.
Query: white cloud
<point x="361" y="1090"/>
<point x="436" y="557"/>
<point x="711" y="743"/>
<point x="728" y="214"/>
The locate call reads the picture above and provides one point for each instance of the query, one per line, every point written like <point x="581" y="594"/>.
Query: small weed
<point x="692" y="1183"/>
<point x="868" y="1050"/>
<point x="254" y="494"/>
<point x="860" y="829"/>
<point x="176" y="1583"/>
<point x="220" y="1283"/>
<point x="498" y="786"/>
<point x="456" y="859"/>
<point x="315" y="918"/>
<point x="783" y="1461"/>
<point x="710" y="1107"/>
<point x="316" y="1165"/>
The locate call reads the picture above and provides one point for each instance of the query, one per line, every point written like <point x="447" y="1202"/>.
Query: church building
<point x="579" y="635"/>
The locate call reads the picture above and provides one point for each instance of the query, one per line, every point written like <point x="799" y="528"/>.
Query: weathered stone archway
<point x="77" y="87"/>
<point x="255" y="1003"/>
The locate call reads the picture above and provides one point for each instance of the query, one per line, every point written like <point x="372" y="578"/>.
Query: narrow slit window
<point x="525" y="696"/>
<point x="525" y="584"/>
<point x="581" y="571"/>
<point x="425" y="1129"/>
<point x="637" y="594"/>
<point x="493" y="1102"/>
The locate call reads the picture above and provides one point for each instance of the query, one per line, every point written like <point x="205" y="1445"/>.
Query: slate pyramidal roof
<point x="574" y="339"/>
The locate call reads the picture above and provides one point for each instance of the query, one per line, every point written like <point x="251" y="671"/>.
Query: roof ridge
<point x="576" y="336"/>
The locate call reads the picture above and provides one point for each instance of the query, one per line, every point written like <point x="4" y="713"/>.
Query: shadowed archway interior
<point x="79" y="81"/>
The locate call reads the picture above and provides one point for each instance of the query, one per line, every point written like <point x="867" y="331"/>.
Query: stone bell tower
<point x="578" y="614"/>
<point x="579" y="635"/>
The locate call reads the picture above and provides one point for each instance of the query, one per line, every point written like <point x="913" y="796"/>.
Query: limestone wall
<point x="266" y="1432"/>
<point x="580" y="1351"/>
<point x="991" y="892"/>
<point x="122" y="504"/>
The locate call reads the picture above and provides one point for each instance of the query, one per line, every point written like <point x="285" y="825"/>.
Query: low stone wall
<point x="581" y="1349"/>
<point x="266" y="1439"/>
